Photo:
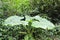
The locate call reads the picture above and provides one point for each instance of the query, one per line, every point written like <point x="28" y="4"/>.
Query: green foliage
<point x="29" y="37"/>
<point x="49" y="7"/>
<point x="46" y="8"/>
<point x="26" y="28"/>
<point x="13" y="20"/>
<point x="14" y="27"/>
<point x="15" y="7"/>
<point x="41" y="23"/>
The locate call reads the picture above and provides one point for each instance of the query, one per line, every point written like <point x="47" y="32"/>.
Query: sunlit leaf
<point x="13" y="20"/>
<point x="37" y="17"/>
<point x="28" y="18"/>
<point x="24" y="22"/>
<point x="42" y="23"/>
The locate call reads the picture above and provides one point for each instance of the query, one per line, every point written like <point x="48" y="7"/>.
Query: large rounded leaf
<point x="13" y="20"/>
<point x="42" y="23"/>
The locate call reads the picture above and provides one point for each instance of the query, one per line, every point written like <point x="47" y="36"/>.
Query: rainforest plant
<point x="28" y="26"/>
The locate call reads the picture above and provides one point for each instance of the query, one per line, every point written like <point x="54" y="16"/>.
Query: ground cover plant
<point x="29" y="19"/>
<point x="16" y="28"/>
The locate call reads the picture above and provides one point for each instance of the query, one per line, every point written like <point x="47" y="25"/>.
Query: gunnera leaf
<point x="13" y="20"/>
<point x="42" y="23"/>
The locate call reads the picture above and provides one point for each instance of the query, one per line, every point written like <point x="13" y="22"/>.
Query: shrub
<point x="26" y="30"/>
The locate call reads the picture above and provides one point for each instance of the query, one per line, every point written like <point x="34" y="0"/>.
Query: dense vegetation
<point x="29" y="19"/>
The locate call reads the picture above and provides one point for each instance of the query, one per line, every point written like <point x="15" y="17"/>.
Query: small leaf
<point x="24" y="22"/>
<point x="10" y="38"/>
<point x="0" y="34"/>
<point x="37" y="17"/>
<point x="28" y="37"/>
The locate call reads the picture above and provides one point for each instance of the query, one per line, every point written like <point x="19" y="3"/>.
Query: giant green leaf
<point x="13" y="20"/>
<point x="42" y="23"/>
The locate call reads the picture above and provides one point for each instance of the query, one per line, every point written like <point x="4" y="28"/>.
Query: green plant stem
<point x="28" y="31"/>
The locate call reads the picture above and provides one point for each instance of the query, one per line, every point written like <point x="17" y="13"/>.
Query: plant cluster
<point x="32" y="28"/>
